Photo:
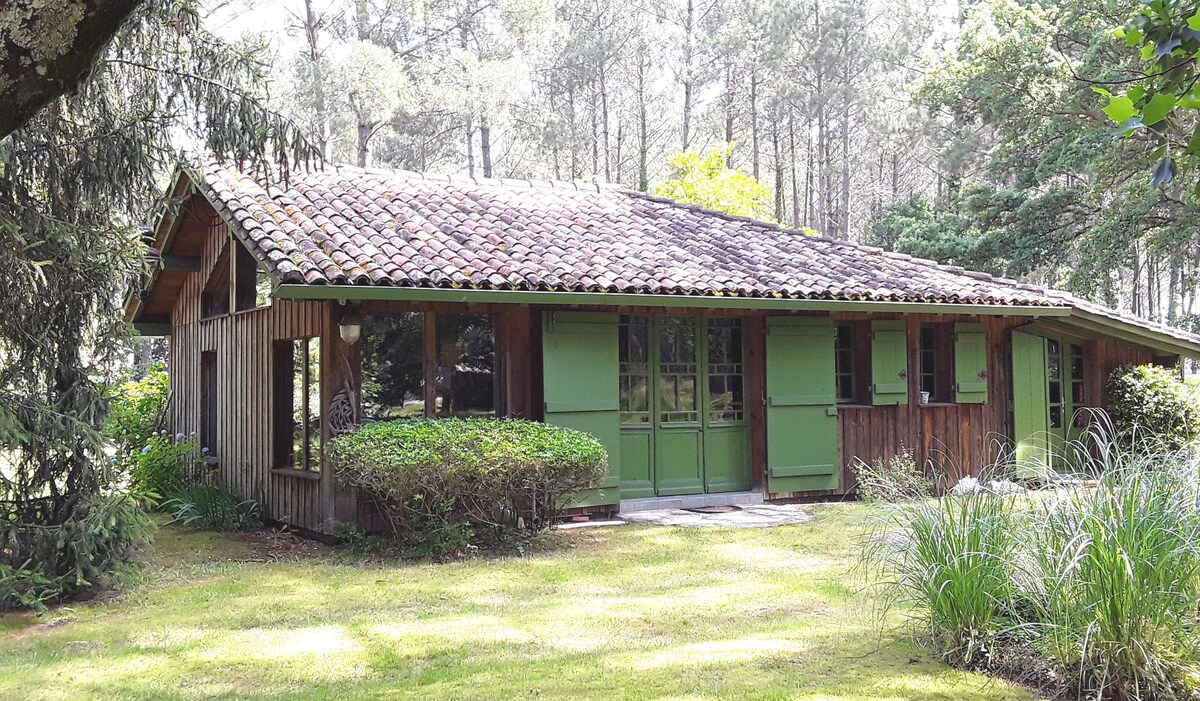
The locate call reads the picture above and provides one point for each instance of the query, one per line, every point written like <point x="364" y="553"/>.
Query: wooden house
<point x="711" y="354"/>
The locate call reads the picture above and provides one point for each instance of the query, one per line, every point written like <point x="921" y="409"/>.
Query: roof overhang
<point x="164" y="232"/>
<point x="618" y="299"/>
<point x="1083" y="322"/>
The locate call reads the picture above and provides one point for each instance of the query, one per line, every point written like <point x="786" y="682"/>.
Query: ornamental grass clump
<point x="1090" y="590"/>
<point x="433" y="479"/>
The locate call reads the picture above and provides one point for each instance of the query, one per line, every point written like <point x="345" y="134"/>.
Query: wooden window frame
<point x="283" y="379"/>
<point x="209" y="403"/>
<point x="935" y="361"/>
<point x="216" y="299"/>
<point x="852" y="360"/>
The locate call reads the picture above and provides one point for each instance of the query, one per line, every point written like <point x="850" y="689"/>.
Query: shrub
<point x="434" y="478"/>
<point x="206" y="506"/>
<point x="42" y="564"/>
<point x="163" y="465"/>
<point x="1151" y="405"/>
<point x="897" y="478"/>
<point x="134" y="410"/>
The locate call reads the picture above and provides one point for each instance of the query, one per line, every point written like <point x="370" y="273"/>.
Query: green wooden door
<point x="679" y="434"/>
<point x="1030" y="404"/>
<point x="580" y="371"/>
<point x="802" y="451"/>
<point x="683" y="420"/>
<point x="726" y="430"/>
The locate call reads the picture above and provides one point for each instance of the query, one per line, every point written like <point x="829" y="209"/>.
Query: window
<point x="726" y="400"/>
<point x="298" y="404"/>
<point x="214" y="299"/>
<point x="251" y="284"/>
<point x="1054" y="381"/>
<point x="844" y="362"/>
<point x="937" y="361"/>
<point x="1078" y="389"/>
<point x="634" y="334"/>
<point x="465" y="380"/>
<point x="208" y="401"/>
<point x="393" y="368"/>
<point x="678" y="368"/>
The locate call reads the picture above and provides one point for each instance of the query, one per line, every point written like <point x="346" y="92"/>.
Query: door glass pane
<point x="635" y="369"/>
<point x="393" y="371"/>
<point x="312" y="455"/>
<point x="725" y="370"/>
<point x="1054" y="382"/>
<point x="466" y="365"/>
<point x="677" y="402"/>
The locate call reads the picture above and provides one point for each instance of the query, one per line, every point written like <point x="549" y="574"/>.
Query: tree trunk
<point x="792" y="165"/>
<point x="365" y="131"/>
<point x="688" y="77"/>
<point x="779" y="203"/>
<point x="469" y="128"/>
<point x="643" y="127"/>
<point x="754" y="155"/>
<point x="729" y="106"/>
<point x="312" y="35"/>
<point x="485" y="145"/>
<point x="604" y="131"/>
<point x="66" y="51"/>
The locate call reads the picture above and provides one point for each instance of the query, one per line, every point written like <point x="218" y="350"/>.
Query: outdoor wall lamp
<point x="350" y="328"/>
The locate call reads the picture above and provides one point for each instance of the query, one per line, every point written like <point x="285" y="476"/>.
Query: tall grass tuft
<point x="1099" y="581"/>
<point x="951" y="561"/>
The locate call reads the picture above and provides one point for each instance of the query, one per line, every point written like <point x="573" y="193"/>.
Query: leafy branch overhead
<point x="1160" y="104"/>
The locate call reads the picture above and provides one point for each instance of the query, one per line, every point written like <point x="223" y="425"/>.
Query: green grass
<point x="628" y="612"/>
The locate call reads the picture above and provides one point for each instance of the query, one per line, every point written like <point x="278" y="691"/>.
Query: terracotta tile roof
<point x="348" y="226"/>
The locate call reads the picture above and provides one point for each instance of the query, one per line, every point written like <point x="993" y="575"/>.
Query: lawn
<point x="629" y="612"/>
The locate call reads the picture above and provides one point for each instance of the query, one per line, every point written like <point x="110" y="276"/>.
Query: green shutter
<point x="970" y="364"/>
<point x="1031" y="414"/>
<point x="802" y="450"/>
<point x="582" y="387"/>
<point x="889" y="362"/>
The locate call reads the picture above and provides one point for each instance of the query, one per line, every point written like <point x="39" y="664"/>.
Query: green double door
<point x="684" y="428"/>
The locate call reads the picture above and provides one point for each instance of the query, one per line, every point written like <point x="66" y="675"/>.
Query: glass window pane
<point x="297" y="395"/>
<point x="677" y="401"/>
<point x="725" y="370"/>
<point x="634" y="339"/>
<point x="313" y="418"/>
<point x="466" y="365"/>
<point x="393" y="371"/>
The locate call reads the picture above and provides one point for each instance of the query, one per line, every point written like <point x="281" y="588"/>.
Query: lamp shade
<point x="350" y="328"/>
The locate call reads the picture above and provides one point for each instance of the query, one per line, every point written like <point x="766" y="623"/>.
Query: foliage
<point x="952" y="559"/>
<point x="163" y="465"/>
<point x="898" y="478"/>
<point x="1151" y="406"/>
<point x="200" y="505"/>
<point x="1036" y="186"/>
<point x="706" y="180"/>
<point x="1160" y="107"/>
<point x="76" y="184"/>
<point x="1098" y="586"/>
<point x="42" y="564"/>
<point x="134" y="410"/>
<point x="433" y="478"/>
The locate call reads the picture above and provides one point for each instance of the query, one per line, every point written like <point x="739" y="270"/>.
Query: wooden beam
<point x="179" y="264"/>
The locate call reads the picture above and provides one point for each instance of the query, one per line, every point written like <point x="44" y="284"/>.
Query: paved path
<point x="747" y="516"/>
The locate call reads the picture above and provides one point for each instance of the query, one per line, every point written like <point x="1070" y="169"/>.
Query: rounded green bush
<point x="427" y="473"/>
<point x="1149" y="404"/>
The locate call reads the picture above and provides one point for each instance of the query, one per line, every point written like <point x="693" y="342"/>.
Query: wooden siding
<point x="242" y="447"/>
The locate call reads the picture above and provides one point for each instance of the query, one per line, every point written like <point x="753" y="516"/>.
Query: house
<point x="711" y="354"/>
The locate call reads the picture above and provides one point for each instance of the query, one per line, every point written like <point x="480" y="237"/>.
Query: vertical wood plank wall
<point x="242" y="341"/>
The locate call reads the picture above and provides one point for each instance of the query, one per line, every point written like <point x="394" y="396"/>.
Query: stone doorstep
<point x="690" y="501"/>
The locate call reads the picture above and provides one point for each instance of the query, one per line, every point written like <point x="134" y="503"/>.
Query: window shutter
<point x="1031" y="423"/>
<point x="970" y="364"/>
<point x="889" y="362"/>
<point x="802" y="448"/>
<point x="580" y="365"/>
